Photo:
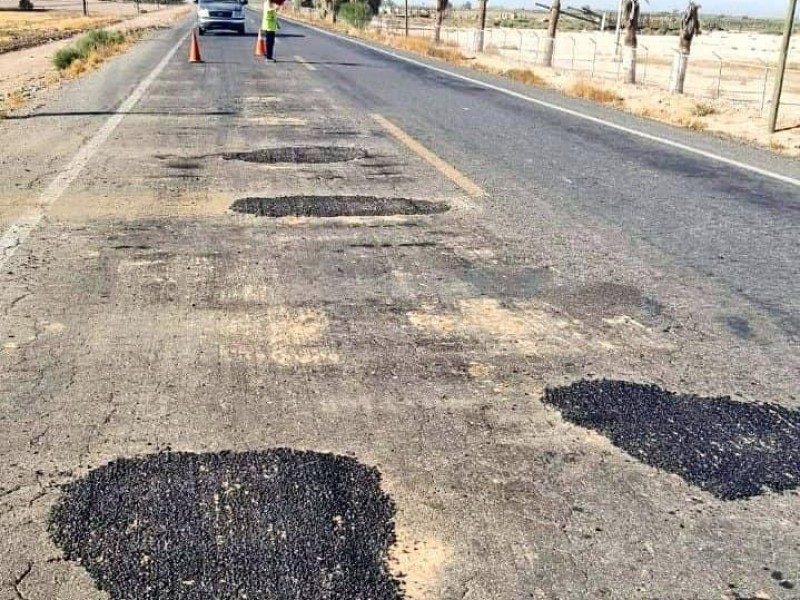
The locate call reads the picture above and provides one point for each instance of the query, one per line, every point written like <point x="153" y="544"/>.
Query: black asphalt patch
<point x="280" y="524"/>
<point x="305" y="155"/>
<point x="732" y="449"/>
<point x="336" y="206"/>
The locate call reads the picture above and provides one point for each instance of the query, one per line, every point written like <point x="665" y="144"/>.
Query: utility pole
<point x="406" y="18"/>
<point x="552" y="29"/>
<point x="776" y="95"/>
<point x="481" y="24"/>
<point x="85" y="8"/>
<point x="618" y="48"/>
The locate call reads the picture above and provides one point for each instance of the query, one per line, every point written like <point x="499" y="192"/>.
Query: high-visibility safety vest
<point x="270" y="21"/>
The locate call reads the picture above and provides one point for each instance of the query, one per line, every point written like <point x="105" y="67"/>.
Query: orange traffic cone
<point x="261" y="45"/>
<point x="194" y="50"/>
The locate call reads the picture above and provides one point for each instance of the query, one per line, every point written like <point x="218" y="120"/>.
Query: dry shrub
<point x="589" y="91"/>
<point x="525" y="76"/>
<point x="421" y="46"/>
<point x="84" y="23"/>
<point x="701" y="109"/>
<point x="690" y="122"/>
<point x="92" y="50"/>
<point x="77" y="67"/>
<point x="445" y="53"/>
<point x="14" y="100"/>
<point x="776" y="145"/>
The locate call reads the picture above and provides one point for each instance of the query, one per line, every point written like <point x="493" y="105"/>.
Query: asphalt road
<point x="140" y="314"/>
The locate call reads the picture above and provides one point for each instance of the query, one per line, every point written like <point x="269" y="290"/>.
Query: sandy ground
<point x="26" y="72"/>
<point x="728" y="87"/>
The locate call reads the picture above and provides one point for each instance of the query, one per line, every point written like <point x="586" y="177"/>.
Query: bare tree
<point x="441" y="8"/>
<point x="552" y="27"/>
<point x="631" y="21"/>
<point x="690" y="27"/>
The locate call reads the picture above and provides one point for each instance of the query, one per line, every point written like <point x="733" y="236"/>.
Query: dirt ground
<point x="719" y="116"/>
<point x="24" y="73"/>
<point x="20" y="30"/>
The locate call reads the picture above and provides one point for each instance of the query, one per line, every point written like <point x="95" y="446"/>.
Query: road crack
<point x="18" y="581"/>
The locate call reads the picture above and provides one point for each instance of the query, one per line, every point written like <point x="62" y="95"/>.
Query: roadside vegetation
<point x="25" y="29"/>
<point x="355" y="14"/>
<point x="90" y="50"/>
<point x="581" y="88"/>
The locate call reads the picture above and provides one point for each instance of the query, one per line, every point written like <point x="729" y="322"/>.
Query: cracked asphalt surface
<point x="142" y="315"/>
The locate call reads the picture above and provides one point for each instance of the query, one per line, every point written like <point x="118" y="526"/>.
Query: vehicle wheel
<point x="201" y="31"/>
<point x="242" y="31"/>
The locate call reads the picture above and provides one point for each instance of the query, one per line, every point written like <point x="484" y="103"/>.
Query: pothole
<point x="183" y="165"/>
<point x="279" y="524"/>
<point x="299" y="154"/>
<point x="734" y="450"/>
<point x="336" y="206"/>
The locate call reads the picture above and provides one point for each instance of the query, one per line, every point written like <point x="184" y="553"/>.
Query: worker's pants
<point x="269" y="37"/>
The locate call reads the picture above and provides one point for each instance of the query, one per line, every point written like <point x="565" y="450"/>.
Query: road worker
<point x="270" y="27"/>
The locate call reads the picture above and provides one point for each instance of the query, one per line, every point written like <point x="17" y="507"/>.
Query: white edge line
<point x="19" y="231"/>
<point x="568" y="111"/>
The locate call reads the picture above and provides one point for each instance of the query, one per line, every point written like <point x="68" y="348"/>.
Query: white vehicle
<point x="220" y="14"/>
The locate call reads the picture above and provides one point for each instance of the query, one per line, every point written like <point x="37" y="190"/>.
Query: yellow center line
<point x="305" y="63"/>
<point x="440" y="165"/>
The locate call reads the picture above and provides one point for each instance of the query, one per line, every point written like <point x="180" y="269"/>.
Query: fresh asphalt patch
<point x="735" y="450"/>
<point x="280" y="524"/>
<point x="336" y="206"/>
<point x="299" y="155"/>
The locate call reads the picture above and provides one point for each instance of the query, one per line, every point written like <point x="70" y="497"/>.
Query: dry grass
<point x="673" y="115"/>
<point x="776" y="145"/>
<point x="585" y="89"/>
<point x="701" y="109"/>
<point x="25" y="29"/>
<point x="13" y="101"/>
<point x="422" y="46"/>
<point x="445" y="53"/>
<point x="99" y="55"/>
<point x="525" y="76"/>
<point x="690" y="122"/>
